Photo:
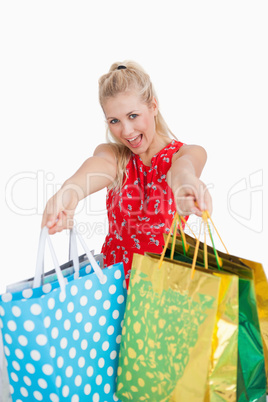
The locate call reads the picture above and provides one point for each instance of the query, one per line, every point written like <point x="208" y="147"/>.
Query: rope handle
<point x="178" y="219"/>
<point x="173" y="224"/>
<point x="205" y="222"/>
<point x="205" y="218"/>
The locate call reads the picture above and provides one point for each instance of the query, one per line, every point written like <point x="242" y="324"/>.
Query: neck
<point x="162" y="142"/>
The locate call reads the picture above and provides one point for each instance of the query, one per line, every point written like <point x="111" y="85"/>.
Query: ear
<point x="155" y="106"/>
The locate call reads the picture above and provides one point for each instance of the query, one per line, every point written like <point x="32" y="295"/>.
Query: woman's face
<point x="131" y="121"/>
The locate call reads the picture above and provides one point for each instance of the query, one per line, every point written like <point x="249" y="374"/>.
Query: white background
<point x="208" y="61"/>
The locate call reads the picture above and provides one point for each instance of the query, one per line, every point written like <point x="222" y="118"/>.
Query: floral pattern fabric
<point x="141" y="210"/>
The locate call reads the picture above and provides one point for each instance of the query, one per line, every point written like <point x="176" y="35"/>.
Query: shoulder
<point x="178" y="150"/>
<point x="105" y="151"/>
<point x="192" y="150"/>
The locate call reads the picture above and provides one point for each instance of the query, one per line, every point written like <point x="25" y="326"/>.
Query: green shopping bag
<point x="251" y="384"/>
<point x="241" y="266"/>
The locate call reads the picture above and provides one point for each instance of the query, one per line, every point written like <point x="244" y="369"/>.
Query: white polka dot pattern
<point x="65" y="350"/>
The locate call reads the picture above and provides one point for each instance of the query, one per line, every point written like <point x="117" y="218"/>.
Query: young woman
<point x="148" y="173"/>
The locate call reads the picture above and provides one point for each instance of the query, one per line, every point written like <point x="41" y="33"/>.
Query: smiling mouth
<point x="135" y="141"/>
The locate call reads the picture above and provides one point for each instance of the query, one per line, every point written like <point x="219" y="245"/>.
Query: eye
<point x="133" y="116"/>
<point x="114" y="121"/>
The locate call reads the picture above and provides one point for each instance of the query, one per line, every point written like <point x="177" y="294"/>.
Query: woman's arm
<point x="190" y="193"/>
<point x="96" y="173"/>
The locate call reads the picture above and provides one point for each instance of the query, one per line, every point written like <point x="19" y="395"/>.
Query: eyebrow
<point x="128" y="114"/>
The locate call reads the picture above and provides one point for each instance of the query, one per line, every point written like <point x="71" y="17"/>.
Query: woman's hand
<point x="96" y="173"/>
<point x="191" y="195"/>
<point x="59" y="211"/>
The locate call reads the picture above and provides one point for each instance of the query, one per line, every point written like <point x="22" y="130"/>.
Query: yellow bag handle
<point x="174" y="224"/>
<point x="184" y="241"/>
<point x="177" y="219"/>
<point x="205" y="218"/>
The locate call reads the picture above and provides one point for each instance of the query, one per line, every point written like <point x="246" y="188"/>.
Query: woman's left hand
<point x="191" y="195"/>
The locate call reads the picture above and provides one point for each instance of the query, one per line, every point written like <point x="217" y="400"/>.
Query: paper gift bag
<point x="251" y="373"/>
<point x="61" y="341"/>
<point x="261" y="290"/>
<point x="222" y="375"/>
<point x="167" y="333"/>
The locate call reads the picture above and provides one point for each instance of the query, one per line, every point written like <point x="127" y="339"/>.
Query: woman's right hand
<point x="59" y="211"/>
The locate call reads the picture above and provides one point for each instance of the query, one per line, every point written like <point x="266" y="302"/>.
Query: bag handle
<point x="178" y="219"/>
<point x="98" y="271"/>
<point x="205" y="217"/>
<point x="44" y="237"/>
<point x="39" y="272"/>
<point x="73" y="252"/>
<point x="185" y="246"/>
<point x="173" y="224"/>
<point x="205" y="221"/>
<point x="184" y="243"/>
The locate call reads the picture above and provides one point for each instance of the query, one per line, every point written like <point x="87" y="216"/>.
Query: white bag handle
<point x="93" y="262"/>
<point x="40" y="261"/>
<point x="73" y="253"/>
<point x="40" y="258"/>
<point x="44" y="236"/>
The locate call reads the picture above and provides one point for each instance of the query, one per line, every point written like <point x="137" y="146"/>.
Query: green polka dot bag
<point x="61" y="340"/>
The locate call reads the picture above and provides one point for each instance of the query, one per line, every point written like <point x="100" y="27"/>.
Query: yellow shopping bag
<point x="169" y="327"/>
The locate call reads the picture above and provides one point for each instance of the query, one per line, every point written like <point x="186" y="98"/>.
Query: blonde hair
<point x="116" y="81"/>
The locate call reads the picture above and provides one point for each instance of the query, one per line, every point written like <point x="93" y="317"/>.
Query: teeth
<point x="134" y="138"/>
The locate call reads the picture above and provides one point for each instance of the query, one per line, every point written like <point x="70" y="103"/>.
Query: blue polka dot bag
<point x="61" y="340"/>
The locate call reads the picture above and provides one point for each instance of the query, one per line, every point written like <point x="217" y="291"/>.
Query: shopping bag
<point x="253" y="311"/>
<point x="222" y="377"/>
<point x="261" y="291"/>
<point x="167" y="334"/>
<point x="61" y="340"/>
<point x="4" y="384"/>
<point x="222" y="373"/>
<point x="251" y="365"/>
<point x="242" y="266"/>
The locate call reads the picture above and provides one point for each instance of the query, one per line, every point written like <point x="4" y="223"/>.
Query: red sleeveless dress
<point x="141" y="211"/>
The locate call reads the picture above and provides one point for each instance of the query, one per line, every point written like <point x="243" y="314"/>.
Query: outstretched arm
<point x="190" y="193"/>
<point x="96" y="173"/>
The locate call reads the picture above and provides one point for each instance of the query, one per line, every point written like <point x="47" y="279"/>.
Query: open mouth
<point x="134" y="142"/>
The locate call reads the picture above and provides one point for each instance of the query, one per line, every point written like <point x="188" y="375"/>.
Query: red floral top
<point x="141" y="211"/>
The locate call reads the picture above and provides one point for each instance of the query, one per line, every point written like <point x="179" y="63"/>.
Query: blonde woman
<point x="148" y="173"/>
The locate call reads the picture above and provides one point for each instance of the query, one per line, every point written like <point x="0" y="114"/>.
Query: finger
<point x="200" y="202"/>
<point x="64" y="221"/>
<point x="208" y="202"/>
<point x="48" y="220"/>
<point x="187" y="206"/>
<point x="51" y="221"/>
<point x="50" y="215"/>
<point x="67" y="220"/>
<point x="204" y="202"/>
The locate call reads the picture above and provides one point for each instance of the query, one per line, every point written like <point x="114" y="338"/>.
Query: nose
<point x="127" y="129"/>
